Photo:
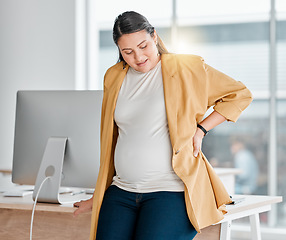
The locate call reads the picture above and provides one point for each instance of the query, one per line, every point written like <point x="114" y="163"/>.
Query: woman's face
<point x="139" y="50"/>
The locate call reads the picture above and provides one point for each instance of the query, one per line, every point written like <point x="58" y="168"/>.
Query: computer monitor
<point x="57" y="134"/>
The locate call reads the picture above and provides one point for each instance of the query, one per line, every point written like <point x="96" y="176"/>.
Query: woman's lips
<point x="142" y="63"/>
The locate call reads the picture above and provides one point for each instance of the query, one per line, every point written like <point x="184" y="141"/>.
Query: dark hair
<point x="130" y="22"/>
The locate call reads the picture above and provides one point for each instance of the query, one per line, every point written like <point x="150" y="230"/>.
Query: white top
<point x="143" y="151"/>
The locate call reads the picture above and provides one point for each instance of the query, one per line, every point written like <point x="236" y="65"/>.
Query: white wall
<point x="37" y="51"/>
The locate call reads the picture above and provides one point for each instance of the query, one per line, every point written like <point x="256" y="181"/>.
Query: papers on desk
<point x="236" y="200"/>
<point x="17" y="190"/>
<point x="23" y="190"/>
<point x="16" y="193"/>
<point x="15" y="187"/>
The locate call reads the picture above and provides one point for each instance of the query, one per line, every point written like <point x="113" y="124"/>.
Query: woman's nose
<point x="138" y="57"/>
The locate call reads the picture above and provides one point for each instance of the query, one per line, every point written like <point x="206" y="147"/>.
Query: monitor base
<point x="51" y="166"/>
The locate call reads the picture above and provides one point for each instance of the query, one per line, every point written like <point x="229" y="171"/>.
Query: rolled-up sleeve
<point x="228" y="96"/>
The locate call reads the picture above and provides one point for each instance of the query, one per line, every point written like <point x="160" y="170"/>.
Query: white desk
<point x="250" y="207"/>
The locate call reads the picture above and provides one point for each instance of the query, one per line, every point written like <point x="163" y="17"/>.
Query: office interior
<point x="67" y="45"/>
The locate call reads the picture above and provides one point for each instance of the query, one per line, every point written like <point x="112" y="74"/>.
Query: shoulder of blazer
<point x="171" y="57"/>
<point x="182" y="65"/>
<point x="113" y="73"/>
<point x="177" y="62"/>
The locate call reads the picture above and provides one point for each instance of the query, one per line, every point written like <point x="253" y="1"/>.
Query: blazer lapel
<point x="169" y="74"/>
<point x="112" y="88"/>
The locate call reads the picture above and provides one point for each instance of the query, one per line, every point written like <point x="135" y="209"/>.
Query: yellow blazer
<point x="190" y="88"/>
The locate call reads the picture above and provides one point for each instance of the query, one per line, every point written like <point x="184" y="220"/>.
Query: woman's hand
<point x="208" y="123"/>
<point x="197" y="141"/>
<point x="83" y="206"/>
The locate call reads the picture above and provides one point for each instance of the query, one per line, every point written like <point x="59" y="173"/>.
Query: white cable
<point x="34" y="206"/>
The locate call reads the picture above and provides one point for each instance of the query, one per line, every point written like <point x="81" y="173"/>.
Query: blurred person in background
<point x="244" y="159"/>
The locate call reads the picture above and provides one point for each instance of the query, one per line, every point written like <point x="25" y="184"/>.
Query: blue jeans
<point x="143" y="216"/>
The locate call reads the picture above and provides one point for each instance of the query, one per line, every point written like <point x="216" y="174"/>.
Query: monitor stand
<point x="51" y="166"/>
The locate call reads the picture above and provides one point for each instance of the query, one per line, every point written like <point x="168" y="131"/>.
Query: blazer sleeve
<point x="228" y="96"/>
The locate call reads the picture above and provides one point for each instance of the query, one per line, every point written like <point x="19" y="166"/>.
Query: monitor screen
<point x="45" y="115"/>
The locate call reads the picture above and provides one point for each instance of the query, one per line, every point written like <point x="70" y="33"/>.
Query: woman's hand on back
<point x="197" y="142"/>
<point x="208" y="123"/>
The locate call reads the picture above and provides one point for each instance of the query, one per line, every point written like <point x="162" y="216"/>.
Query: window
<point x="281" y="108"/>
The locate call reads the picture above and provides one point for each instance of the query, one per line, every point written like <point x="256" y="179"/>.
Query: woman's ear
<point x="155" y="37"/>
